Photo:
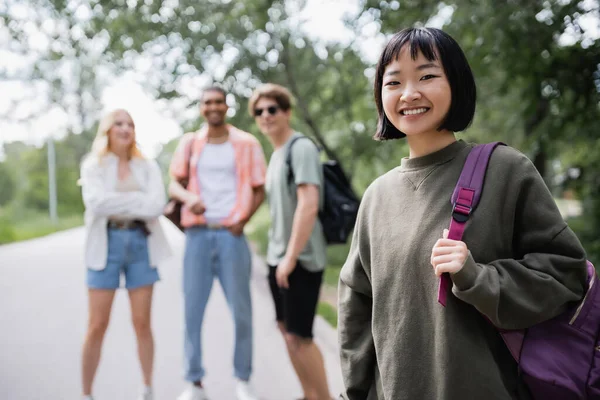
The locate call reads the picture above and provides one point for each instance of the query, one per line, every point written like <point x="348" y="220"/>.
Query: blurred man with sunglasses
<point x="296" y="250"/>
<point x="225" y="172"/>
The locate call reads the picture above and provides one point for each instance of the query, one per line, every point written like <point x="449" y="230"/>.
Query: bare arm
<point x="189" y="199"/>
<point x="177" y="191"/>
<point x="304" y="222"/>
<point x="179" y="169"/>
<point x="305" y="216"/>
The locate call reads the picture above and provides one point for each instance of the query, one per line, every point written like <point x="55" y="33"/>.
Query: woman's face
<point x="415" y="94"/>
<point x="122" y="134"/>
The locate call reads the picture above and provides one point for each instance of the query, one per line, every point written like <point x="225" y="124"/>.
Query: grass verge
<point x="33" y="225"/>
<point x="328" y="312"/>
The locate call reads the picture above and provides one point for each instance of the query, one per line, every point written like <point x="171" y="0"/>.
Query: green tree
<point x="7" y="185"/>
<point x="533" y="52"/>
<point x="65" y="68"/>
<point x="243" y="44"/>
<point x="538" y="78"/>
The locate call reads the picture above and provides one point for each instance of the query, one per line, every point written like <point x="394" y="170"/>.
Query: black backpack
<point x="340" y="205"/>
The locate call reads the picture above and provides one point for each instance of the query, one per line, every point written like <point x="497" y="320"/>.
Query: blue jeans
<point x="211" y="253"/>
<point x="128" y="256"/>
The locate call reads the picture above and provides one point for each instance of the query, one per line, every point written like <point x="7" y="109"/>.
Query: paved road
<point x="43" y="312"/>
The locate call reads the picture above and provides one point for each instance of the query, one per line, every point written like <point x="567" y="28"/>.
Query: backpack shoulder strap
<point x="288" y="157"/>
<point x="465" y="199"/>
<point x="473" y="173"/>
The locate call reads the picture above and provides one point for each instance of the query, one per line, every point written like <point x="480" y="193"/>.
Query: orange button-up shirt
<point x="250" y="166"/>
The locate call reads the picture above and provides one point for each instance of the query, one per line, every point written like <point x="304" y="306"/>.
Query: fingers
<point x="446" y="258"/>
<point x="282" y="280"/>
<point x="445" y="253"/>
<point x="237" y="229"/>
<point x="198" y="208"/>
<point x="441" y="250"/>
<point x="448" y="255"/>
<point x="450" y="267"/>
<point x="447" y="242"/>
<point x="279" y="277"/>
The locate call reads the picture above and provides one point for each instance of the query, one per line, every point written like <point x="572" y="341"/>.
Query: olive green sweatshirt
<point x="525" y="266"/>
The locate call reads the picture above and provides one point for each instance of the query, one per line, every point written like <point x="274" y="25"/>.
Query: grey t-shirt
<point x="282" y="197"/>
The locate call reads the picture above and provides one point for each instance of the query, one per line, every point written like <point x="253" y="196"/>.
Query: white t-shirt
<point x="217" y="179"/>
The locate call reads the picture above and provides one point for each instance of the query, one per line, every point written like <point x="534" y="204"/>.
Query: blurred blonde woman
<point x="124" y="195"/>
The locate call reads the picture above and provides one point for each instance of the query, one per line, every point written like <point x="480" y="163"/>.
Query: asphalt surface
<point x="43" y="316"/>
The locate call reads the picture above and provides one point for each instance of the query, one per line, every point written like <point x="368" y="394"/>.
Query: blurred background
<point x="65" y="62"/>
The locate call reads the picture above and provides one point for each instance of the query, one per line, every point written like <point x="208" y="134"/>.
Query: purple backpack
<point x="558" y="359"/>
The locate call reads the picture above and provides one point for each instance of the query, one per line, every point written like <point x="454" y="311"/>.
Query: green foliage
<point x="164" y="159"/>
<point x="536" y="69"/>
<point x="328" y="312"/>
<point x="538" y="81"/>
<point x="28" y="209"/>
<point x="64" y="75"/>
<point x="257" y="229"/>
<point x="254" y="42"/>
<point x="34" y="225"/>
<point x="332" y="273"/>
<point x="7" y="232"/>
<point x="7" y="185"/>
<point x="36" y="192"/>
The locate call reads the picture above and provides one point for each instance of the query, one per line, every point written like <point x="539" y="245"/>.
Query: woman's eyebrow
<point x="419" y="68"/>
<point x="427" y="66"/>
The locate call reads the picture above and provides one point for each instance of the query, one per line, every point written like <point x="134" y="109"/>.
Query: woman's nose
<point x="410" y="93"/>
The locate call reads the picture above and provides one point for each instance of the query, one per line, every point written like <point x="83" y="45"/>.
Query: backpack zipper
<point x="582" y="303"/>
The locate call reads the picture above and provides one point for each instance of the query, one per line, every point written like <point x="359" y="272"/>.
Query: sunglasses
<point x="272" y="110"/>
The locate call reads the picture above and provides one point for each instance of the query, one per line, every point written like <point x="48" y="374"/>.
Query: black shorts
<point x="297" y="305"/>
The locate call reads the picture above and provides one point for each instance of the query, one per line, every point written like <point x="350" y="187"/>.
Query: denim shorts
<point x="127" y="256"/>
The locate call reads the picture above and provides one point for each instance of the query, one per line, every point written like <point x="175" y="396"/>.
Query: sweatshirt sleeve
<point x="355" y="303"/>
<point x="548" y="269"/>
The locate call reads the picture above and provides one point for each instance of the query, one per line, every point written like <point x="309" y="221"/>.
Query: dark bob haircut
<point x="432" y="43"/>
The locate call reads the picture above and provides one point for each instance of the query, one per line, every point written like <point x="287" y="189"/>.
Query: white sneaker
<point x="193" y="392"/>
<point x="244" y="391"/>
<point x="146" y="395"/>
<point x="88" y="398"/>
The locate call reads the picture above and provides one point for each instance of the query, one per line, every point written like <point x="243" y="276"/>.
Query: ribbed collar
<point x="439" y="157"/>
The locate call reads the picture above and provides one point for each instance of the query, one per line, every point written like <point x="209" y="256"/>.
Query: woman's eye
<point x="427" y="77"/>
<point x="392" y="83"/>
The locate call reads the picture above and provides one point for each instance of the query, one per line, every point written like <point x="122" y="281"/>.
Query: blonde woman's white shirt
<point x="99" y="177"/>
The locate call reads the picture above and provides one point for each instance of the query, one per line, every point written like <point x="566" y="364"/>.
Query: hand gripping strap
<point x="464" y="200"/>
